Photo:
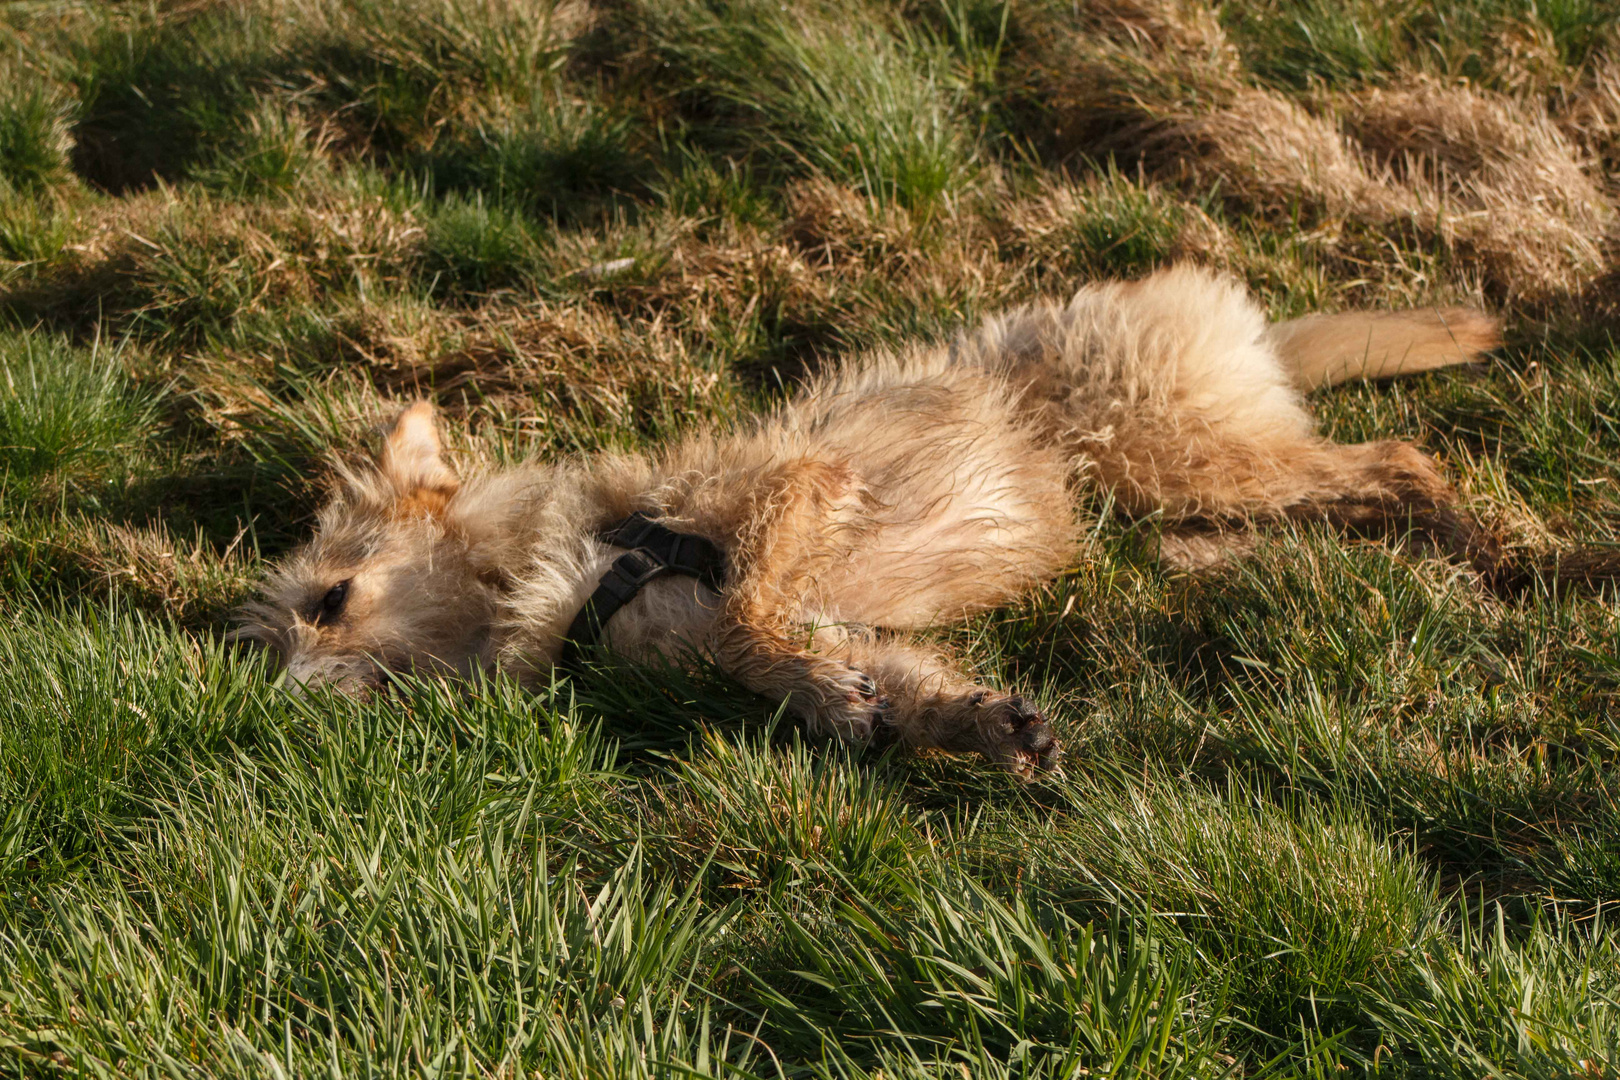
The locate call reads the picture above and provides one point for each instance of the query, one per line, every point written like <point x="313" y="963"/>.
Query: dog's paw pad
<point x="861" y="710"/>
<point x="1019" y="736"/>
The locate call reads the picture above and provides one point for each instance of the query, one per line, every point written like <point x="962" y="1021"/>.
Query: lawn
<point x="1339" y="810"/>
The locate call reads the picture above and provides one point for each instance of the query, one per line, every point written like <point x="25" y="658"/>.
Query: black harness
<point x="654" y="551"/>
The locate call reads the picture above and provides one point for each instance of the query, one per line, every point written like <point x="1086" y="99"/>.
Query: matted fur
<point x="898" y="491"/>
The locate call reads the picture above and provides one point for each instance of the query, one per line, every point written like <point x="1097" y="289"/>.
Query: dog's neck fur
<point x="535" y="529"/>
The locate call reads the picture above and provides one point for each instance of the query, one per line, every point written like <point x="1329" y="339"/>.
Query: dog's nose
<point x="352" y="678"/>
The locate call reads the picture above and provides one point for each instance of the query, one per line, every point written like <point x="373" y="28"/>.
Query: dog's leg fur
<point x="1377" y="487"/>
<point x="774" y="569"/>
<point x="1366" y="488"/>
<point x="1173" y="393"/>
<point x="831" y="697"/>
<point x="936" y="705"/>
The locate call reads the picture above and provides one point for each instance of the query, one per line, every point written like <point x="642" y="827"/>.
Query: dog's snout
<point x="355" y="678"/>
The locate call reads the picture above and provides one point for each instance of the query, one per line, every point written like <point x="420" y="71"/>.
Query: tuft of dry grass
<point x="1497" y="176"/>
<point x="179" y="266"/>
<point x="1490" y="178"/>
<point x="1590" y="118"/>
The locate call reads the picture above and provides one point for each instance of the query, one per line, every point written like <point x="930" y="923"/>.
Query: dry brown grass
<point x="1497" y="177"/>
<point x="1486" y="175"/>
<point x="179" y="264"/>
<point x="190" y="579"/>
<point x="1591" y="119"/>
<point x="565" y="376"/>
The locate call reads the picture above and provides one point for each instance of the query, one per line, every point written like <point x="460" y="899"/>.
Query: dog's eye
<point x="332" y="603"/>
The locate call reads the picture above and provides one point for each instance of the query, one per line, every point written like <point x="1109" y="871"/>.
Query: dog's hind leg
<point x="1380" y="487"/>
<point x="1372" y="488"/>
<point x="1174" y="395"/>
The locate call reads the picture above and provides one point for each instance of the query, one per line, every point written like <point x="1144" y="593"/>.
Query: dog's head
<point x="391" y="582"/>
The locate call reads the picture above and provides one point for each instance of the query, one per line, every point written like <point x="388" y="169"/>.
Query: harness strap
<point x="655" y="550"/>
<point x="683" y="553"/>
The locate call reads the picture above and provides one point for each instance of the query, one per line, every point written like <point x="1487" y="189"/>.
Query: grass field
<point x="1338" y="811"/>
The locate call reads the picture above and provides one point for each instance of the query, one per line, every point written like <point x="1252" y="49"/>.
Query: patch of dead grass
<point x="566" y="376"/>
<point x="1488" y="176"/>
<point x="175" y="264"/>
<point x="1590" y="118"/>
<point x="1499" y="176"/>
<point x="189" y="579"/>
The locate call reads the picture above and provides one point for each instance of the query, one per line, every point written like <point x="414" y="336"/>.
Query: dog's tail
<point x="1324" y="350"/>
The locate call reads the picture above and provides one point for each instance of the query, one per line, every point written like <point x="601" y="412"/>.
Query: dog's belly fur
<point x="952" y="502"/>
<point x="962" y="507"/>
<point x="969" y="507"/>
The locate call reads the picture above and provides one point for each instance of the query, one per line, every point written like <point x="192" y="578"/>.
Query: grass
<point x="65" y="412"/>
<point x="876" y="105"/>
<point x="1337" y="811"/>
<point x="1294" y="41"/>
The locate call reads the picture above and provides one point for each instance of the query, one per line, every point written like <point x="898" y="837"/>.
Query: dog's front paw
<point x="1016" y="734"/>
<point x="852" y="708"/>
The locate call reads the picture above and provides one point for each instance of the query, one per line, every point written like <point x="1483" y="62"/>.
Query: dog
<point x="896" y="492"/>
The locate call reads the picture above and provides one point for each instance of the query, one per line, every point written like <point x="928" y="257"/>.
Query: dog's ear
<point x="411" y="457"/>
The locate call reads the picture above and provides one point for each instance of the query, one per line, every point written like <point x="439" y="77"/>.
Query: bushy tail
<point x="1324" y="350"/>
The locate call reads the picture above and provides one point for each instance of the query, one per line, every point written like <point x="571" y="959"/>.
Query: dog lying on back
<point x="895" y="493"/>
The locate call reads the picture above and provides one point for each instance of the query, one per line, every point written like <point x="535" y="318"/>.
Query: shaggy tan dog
<point x="898" y="492"/>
